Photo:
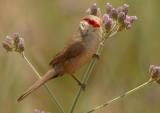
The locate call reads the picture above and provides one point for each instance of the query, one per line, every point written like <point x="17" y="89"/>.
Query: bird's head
<point x="90" y="23"/>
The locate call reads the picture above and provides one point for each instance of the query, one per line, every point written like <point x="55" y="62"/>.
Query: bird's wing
<point x="71" y="51"/>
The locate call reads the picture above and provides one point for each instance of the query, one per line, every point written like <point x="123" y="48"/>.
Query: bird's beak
<point x="83" y="25"/>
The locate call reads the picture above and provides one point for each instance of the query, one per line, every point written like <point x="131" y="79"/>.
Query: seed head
<point x="129" y="20"/>
<point x="21" y="45"/>
<point x="121" y="17"/>
<point x="8" y="43"/>
<point x="94" y="10"/>
<point x="114" y="13"/>
<point x="109" y="7"/>
<point x="108" y="22"/>
<point x="123" y="8"/>
<point x="154" y="72"/>
<point x="16" y="37"/>
<point x="13" y="43"/>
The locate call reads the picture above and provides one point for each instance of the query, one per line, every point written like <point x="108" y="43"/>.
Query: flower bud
<point x="109" y="7"/>
<point x="105" y="18"/>
<point x="129" y="20"/>
<point x="125" y="8"/>
<point x="16" y="37"/>
<point x="133" y="18"/>
<point x="114" y="13"/>
<point x="108" y="22"/>
<point x="94" y="10"/>
<point x="121" y="17"/>
<point x="154" y="72"/>
<point x="8" y="43"/>
<point x="127" y="24"/>
<point x="21" y="45"/>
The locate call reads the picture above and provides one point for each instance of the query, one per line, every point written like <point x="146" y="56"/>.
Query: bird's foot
<point x="83" y="86"/>
<point x="96" y="56"/>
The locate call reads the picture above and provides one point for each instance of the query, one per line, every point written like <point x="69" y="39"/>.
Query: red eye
<point x="93" y="22"/>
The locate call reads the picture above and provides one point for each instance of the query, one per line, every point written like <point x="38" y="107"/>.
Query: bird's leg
<point x="96" y="56"/>
<point x="83" y="86"/>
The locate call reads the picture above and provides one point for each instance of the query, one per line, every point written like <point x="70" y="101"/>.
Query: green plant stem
<point x="122" y="96"/>
<point x="53" y="97"/>
<point x="91" y="66"/>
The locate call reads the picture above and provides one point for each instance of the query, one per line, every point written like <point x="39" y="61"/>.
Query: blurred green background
<point x="46" y="25"/>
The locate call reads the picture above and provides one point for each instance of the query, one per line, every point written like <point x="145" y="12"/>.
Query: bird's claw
<point x="83" y="86"/>
<point x="96" y="56"/>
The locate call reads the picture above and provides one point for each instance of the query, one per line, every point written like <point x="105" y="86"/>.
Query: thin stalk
<point x="122" y="96"/>
<point x="92" y="64"/>
<point x="53" y="97"/>
<point x="85" y="79"/>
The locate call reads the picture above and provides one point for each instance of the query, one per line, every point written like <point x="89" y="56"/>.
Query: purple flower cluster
<point x="154" y="72"/>
<point x="119" y="16"/>
<point x="114" y="16"/>
<point x="39" y="111"/>
<point x="13" y="43"/>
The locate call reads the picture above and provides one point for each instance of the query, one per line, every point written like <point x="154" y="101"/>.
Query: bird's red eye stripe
<point x="94" y="22"/>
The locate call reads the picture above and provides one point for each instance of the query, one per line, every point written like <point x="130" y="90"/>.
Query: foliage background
<point x="47" y="24"/>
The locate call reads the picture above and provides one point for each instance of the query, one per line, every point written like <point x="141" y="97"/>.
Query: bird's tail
<point x="49" y="75"/>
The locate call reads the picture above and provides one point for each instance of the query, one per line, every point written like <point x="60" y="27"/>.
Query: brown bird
<point x="77" y="52"/>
